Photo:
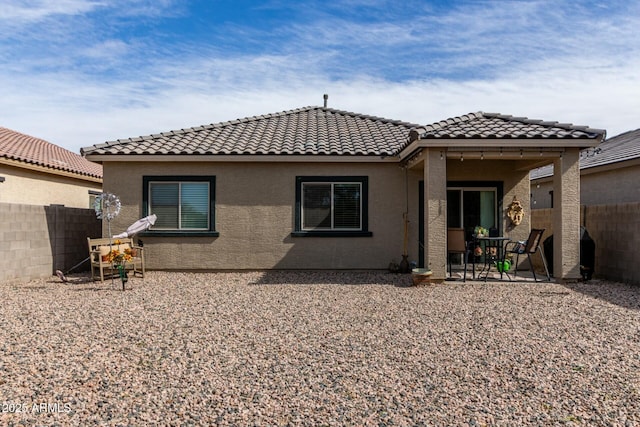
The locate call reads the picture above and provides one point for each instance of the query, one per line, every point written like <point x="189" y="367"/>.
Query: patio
<point x="310" y="348"/>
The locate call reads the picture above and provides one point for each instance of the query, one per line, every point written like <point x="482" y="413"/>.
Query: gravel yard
<point x="310" y="348"/>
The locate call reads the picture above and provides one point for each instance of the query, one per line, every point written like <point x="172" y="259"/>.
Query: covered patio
<point x="465" y="171"/>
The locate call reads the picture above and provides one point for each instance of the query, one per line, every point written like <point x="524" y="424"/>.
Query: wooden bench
<point x="99" y="253"/>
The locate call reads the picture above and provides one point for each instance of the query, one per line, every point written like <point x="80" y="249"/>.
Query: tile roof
<point x="619" y="148"/>
<point x="308" y="131"/>
<point x="28" y="149"/>
<point x="482" y="125"/>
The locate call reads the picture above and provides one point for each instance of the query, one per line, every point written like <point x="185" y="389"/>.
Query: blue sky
<point x="82" y="72"/>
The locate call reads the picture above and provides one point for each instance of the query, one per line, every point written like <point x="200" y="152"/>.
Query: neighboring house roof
<point x="303" y="131"/>
<point x="619" y="148"/>
<point x="482" y="125"/>
<point x="21" y="148"/>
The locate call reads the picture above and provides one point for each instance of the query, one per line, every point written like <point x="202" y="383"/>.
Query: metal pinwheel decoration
<point x="107" y="206"/>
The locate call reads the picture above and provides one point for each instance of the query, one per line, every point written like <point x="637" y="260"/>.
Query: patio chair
<point x="456" y="244"/>
<point x="99" y="250"/>
<point x="528" y="247"/>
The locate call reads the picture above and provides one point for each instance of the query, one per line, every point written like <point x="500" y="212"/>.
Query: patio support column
<point x="566" y="216"/>
<point x="435" y="217"/>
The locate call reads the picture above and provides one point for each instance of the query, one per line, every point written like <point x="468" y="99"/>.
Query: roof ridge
<point x="457" y="119"/>
<point x="370" y="117"/>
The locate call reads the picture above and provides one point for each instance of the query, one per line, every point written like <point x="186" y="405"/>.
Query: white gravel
<point x="317" y="348"/>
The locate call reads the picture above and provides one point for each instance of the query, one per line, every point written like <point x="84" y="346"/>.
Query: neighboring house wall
<point x="615" y="230"/>
<point x="255" y="214"/>
<point x="37" y="240"/>
<point x="25" y="186"/>
<point x="598" y="186"/>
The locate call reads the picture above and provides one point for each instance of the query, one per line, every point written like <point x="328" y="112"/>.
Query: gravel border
<point x="318" y="348"/>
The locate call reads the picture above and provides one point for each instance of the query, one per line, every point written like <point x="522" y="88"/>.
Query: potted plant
<point x="119" y="260"/>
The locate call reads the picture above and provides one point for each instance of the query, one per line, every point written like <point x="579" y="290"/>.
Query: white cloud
<point x="75" y="114"/>
<point x="532" y="60"/>
<point x="29" y="11"/>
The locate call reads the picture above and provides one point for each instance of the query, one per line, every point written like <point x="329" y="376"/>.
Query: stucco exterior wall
<point x="255" y="213"/>
<point x="32" y="187"/>
<point x="604" y="187"/>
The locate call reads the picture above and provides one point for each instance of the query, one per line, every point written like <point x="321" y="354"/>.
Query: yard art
<point x="515" y="212"/>
<point x="107" y="206"/>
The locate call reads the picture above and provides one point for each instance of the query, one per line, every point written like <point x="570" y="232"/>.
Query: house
<point x="320" y="188"/>
<point x="36" y="172"/>
<point x="609" y="174"/>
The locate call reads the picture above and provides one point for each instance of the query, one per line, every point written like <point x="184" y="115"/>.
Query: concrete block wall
<point x="615" y="230"/>
<point x="37" y="240"/>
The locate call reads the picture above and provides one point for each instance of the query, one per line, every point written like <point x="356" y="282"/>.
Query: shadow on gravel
<point x="620" y="294"/>
<point x="340" y="278"/>
<point x="83" y="282"/>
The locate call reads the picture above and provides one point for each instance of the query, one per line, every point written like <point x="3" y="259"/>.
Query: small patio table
<point x="492" y="248"/>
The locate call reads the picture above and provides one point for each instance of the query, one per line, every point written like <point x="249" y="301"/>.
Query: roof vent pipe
<point x="325" y="96"/>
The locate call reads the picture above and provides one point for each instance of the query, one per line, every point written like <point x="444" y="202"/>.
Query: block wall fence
<point x="38" y="240"/>
<point x="615" y="230"/>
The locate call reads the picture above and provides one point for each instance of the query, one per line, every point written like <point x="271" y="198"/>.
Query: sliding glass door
<point x="469" y="207"/>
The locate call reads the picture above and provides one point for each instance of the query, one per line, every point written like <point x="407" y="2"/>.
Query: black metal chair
<point x="457" y="244"/>
<point x="528" y="247"/>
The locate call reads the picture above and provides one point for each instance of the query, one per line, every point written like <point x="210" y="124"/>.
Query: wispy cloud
<point x="104" y="77"/>
<point x="23" y="12"/>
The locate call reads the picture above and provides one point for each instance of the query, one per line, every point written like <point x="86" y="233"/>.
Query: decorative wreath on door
<point x="515" y="212"/>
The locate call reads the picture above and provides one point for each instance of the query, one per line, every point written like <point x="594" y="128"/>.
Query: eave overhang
<point x="498" y="145"/>
<point x="241" y="158"/>
<point x="48" y="170"/>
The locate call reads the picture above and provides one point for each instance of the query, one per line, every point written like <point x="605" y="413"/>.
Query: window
<point x="473" y="203"/>
<point x="92" y="198"/>
<point x="183" y="205"/>
<point x="331" y="206"/>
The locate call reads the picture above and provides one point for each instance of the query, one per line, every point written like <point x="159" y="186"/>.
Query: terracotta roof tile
<point x="28" y="149"/>
<point x="309" y="130"/>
